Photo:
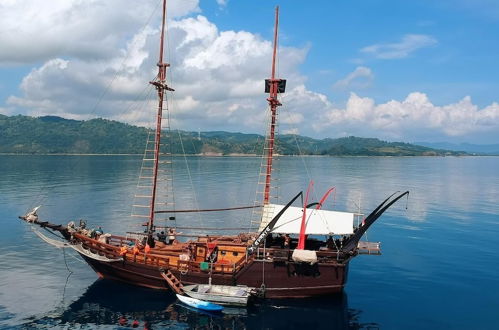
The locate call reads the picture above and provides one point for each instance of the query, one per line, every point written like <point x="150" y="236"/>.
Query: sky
<point x="396" y="70"/>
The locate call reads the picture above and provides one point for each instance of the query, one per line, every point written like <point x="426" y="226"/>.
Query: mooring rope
<point x="69" y="275"/>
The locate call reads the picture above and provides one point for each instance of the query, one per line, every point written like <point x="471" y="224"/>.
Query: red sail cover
<point x="302" y="238"/>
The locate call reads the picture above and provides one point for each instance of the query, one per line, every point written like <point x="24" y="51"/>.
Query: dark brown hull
<point x="281" y="280"/>
<point x="129" y="272"/>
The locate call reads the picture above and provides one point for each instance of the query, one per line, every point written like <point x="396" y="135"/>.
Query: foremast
<point x="273" y="86"/>
<point x="161" y="86"/>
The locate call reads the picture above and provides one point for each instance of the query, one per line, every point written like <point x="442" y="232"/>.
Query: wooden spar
<point x="274" y="103"/>
<point x="271" y="225"/>
<point x="205" y="228"/>
<point x="161" y="86"/>
<point x="302" y="238"/>
<point x="210" y="210"/>
<point x="276" y="28"/>
<point x="323" y="199"/>
<point x="351" y="243"/>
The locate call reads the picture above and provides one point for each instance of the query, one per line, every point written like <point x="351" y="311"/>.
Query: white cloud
<point x="361" y="77"/>
<point x="5" y="111"/>
<point x="218" y="77"/>
<point x="414" y="118"/>
<point x="222" y="3"/>
<point x="409" y="44"/>
<point x="294" y="131"/>
<point x="291" y="118"/>
<point x="33" y="31"/>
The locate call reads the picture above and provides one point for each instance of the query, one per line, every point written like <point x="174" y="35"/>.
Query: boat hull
<point x="219" y="294"/>
<point x="280" y="280"/>
<point x="200" y="304"/>
<point x="129" y="272"/>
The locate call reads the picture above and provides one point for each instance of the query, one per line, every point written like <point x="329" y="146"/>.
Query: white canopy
<point x="318" y="222"/>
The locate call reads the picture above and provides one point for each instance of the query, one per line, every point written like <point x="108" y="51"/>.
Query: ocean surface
<point x="439" y="268"/>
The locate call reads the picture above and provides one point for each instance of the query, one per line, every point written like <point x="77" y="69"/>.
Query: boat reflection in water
<point x="109" y="304"/>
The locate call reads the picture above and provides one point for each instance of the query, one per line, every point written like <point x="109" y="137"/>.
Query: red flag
<point x="211" y="246"/>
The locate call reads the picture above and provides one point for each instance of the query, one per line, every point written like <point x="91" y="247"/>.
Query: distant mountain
<point x="485" y="149"/>
<point x="51" y="135"/>
<point x="22" y="134"/>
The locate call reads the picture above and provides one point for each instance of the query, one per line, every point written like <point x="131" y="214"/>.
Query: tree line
<point x="56" y="135"/>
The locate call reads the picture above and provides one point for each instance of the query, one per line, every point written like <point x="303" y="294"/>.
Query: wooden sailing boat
<point x="261" y="259"/>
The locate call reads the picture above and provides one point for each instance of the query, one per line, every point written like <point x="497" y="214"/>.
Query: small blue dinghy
<point x="200" y="304"/>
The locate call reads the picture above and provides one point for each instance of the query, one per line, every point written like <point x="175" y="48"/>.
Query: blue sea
<point x="439" y="267"/>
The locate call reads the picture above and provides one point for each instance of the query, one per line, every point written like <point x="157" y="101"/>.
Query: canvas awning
<point x="319" y="222"/>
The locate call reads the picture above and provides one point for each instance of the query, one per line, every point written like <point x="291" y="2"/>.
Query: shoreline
<point x="238" y="155"/>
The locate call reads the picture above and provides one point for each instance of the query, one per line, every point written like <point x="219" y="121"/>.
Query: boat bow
<point x="353" y="241"/>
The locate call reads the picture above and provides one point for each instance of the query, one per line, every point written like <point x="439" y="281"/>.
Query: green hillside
<point x="52" y="135"/>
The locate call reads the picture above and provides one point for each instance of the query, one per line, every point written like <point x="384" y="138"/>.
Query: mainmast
<point x="273" y="86"/>
<point x="161" y="87"/>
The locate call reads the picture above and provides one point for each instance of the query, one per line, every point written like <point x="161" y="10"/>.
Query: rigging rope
<point x="168" y="118"/>
<point x="42" y="200"/>
<point x="171" y="74"/>
<point x="67" y="278"/>
<point x="300" y="153"/>
<point x="127" y="55"/>
<point x="252" y="218"/>
<point x="196" y="203"/>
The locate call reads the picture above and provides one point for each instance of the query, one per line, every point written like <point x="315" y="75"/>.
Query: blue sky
<point x="462" y="62"/>
<point x="396" y="70"/>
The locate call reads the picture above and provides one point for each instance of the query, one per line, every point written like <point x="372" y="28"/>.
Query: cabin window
<point x="223" y="252"/>
<point x="235" y="254"/>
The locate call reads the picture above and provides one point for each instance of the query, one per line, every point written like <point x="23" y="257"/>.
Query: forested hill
<point x="53" y="135"/>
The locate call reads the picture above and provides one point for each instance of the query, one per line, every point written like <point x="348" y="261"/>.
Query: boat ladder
<point x="173" y="282"/>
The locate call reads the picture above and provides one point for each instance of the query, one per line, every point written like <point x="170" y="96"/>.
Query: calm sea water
<point x="439" y="268"/>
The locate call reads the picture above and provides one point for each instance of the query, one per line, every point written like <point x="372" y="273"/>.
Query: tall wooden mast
<point x="273" y="86"/>
<point x="160" y="83"/>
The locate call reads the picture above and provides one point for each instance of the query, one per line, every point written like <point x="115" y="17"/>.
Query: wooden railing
<point x="165" y="259"/>
<point x="278" y="254"/>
